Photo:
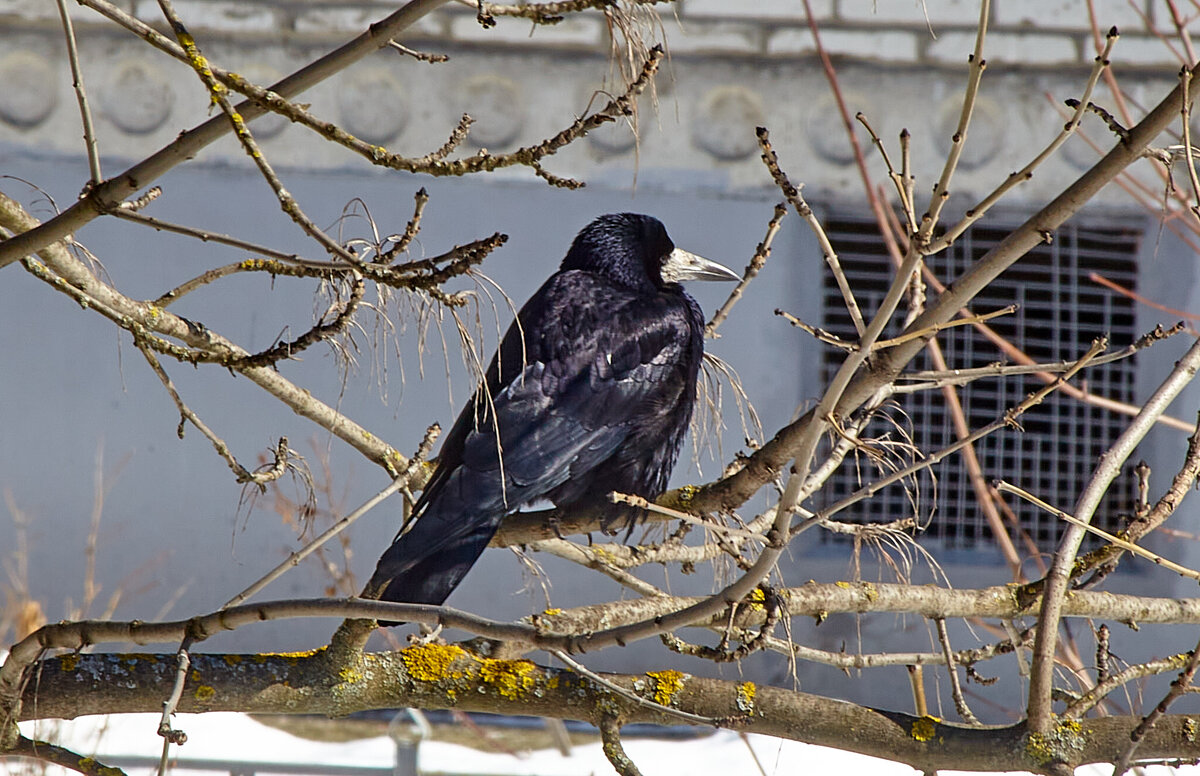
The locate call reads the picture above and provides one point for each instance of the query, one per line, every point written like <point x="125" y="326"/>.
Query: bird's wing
<point x="597" y="363"/>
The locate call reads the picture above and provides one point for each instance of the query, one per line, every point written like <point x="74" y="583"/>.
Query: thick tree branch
<point x="432" y="676"/>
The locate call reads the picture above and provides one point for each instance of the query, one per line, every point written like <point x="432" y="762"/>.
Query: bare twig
<point x="816" y="332"/>
<point x="960" y="702"/>
<point x="900" y="179"/>
<point x="103" y="198"/>
<point x="1183" y="571"/>
<point x="792" y="194"/>
<point x="62" y="757"/>
<point x="420" y="199"/>
<point x="169" y="734"/>
<point x="186" y="414"/>
<point x="1009" y="419"/>
<point x="1185" y="80"/>
<point x="761" y="254"/>
<point x="85" y="112"/>
<point x="420" y="56"/>
<point x="929" y="331"/>
<point x="218" y="92"/>
<point x="642" y="503"/>
<point x="294" y="559"/>
<point x="941" y="190"/>
<point x="1025" y="173"/>
<point x="596" y="560"/>
<point x="1182" y="684"/>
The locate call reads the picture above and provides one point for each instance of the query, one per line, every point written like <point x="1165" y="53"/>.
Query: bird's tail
<point x="426" y="563"/>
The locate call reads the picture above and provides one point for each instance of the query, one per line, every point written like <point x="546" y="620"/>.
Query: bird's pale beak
<point x="681" y="265"/>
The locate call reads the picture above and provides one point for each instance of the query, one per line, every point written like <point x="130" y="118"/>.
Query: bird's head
<point x="635" y="250"/>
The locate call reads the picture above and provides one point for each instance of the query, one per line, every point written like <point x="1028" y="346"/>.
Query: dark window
<point x="1061" y="312"/>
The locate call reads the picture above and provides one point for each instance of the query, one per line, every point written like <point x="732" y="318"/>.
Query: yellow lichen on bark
<point x="925" y="728"/>
<point x="745" y="697"/>
<point x="513" y="679"/>
<point x="431" y="662"/>
<point x="667" y="685"/>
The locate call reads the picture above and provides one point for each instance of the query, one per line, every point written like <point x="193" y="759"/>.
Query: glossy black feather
<point x="590" y="391"/>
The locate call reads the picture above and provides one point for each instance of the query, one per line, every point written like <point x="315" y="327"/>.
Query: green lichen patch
<point x="1064" y="743"/>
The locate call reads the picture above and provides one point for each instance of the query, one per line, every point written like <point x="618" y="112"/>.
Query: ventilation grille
<point x="1061" y="312"/>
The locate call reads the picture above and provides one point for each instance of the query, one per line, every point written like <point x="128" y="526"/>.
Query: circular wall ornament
<point x="269" y="124"/>
<point x="984" y="136"/>
<point x="496" y="104"/>
<point x="372" y="105"/>
<point x="138" y="98"/>
<point x="725" y="122"/>
<point x="29" y="94"/>
<point x="827" y="132"/>
<point x="613" y="137"/>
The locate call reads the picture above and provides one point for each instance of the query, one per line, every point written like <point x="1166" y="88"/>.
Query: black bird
<point x="591" y="391"/>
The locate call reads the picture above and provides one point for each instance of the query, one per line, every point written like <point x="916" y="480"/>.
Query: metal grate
<point x="1060" y="313"/>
